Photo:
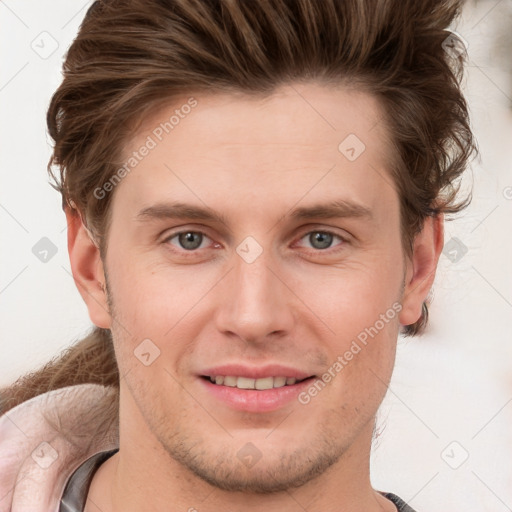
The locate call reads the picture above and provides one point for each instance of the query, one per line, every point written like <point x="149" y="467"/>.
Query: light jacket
<point x="43" y="440"/>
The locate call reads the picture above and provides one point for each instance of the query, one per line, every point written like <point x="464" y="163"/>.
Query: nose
<point x="255" y="303"/>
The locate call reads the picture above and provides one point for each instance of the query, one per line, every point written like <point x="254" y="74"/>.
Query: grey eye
<point x="320" y="239"/>
<point x="190" y="240"/>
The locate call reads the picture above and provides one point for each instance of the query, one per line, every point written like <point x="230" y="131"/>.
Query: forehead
<point x="302" y="140"/>
<point x="297" y="114"/>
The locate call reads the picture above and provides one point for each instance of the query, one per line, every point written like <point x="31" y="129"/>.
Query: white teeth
<point x="247" y="383"/>
<point x="279" y="382"/>
<point x="230" y="381"/>
<point x="266" y="383"/>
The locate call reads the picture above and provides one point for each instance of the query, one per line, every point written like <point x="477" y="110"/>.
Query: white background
<point x="451" y="388"/>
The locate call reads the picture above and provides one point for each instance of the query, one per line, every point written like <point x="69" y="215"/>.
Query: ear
<point x="421" y="268"/>
<point x="87" y="269"/>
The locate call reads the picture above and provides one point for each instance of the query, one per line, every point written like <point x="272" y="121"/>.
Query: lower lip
<point x="252" y="400"/>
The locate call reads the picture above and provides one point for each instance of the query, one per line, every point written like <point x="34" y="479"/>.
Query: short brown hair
<point x="131" y="55"/>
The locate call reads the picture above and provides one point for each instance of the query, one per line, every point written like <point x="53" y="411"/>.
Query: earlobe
<point x="87" y="269"/>
<point x="421" y="268"/>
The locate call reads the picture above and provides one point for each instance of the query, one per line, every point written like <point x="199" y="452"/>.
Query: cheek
<point x="351" y="298"/>
<point x="153" y="301"/>
<point x="360" y="306"/>
<point x="361" y="368"/>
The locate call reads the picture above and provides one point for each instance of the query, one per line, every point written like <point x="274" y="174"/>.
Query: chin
<point x="250" y="470"/>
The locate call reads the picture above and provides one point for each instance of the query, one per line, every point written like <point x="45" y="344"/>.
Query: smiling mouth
<point x="248" y="383"/>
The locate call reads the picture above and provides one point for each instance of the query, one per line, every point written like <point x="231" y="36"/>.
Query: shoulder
<point x="44" y="439"/>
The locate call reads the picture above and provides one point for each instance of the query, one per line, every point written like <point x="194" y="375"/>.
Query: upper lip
<point x="255" y="372"/>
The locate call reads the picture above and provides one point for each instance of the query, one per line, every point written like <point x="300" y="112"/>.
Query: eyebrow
<point x="341" y="208"/>
<point x="177" y="210"/>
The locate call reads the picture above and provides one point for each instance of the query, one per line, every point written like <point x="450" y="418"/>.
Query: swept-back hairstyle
<point x="132" y="56"/>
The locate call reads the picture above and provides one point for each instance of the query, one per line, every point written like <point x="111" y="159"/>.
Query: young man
<point x="255" y="195"/>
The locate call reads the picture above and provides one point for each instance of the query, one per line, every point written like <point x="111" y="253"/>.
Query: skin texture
<point x="253" y="160"/>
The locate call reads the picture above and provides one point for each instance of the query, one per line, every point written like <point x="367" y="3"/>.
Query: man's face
<point x="257" y="289"/>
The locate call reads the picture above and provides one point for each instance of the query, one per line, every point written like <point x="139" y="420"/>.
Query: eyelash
<point x="193" y="252"/>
